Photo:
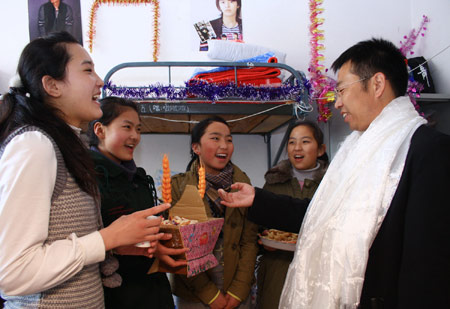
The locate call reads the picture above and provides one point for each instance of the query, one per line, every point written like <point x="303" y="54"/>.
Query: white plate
<point x="277" y="244"/>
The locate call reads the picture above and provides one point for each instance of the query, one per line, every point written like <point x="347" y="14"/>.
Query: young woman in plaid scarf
<point x="228" y="284"/>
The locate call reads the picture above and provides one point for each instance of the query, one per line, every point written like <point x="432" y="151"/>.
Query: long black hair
<point x="27" y="104"/>
<point x="198" y="131"/>
<point x="111" y="107"/>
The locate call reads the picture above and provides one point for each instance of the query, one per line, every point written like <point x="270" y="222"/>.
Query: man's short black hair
<point x="373" y="56"/>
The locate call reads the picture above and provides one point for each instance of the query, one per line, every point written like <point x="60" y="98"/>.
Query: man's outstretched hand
<point x="243" y="197"/>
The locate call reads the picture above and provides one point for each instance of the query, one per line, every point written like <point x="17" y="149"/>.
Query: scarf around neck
<point x="347" y="210"/>
<point x="215" y="182"/>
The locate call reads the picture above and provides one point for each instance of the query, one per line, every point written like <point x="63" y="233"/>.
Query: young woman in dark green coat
<point x="125" y="189"/>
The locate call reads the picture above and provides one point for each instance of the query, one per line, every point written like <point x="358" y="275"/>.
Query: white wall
<point x="124" y="34"/>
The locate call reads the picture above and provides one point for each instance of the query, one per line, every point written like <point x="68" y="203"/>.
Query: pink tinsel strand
<point x="320" y="84"/>
<point x="408" y="45"/>
<point x="414" y="89"/>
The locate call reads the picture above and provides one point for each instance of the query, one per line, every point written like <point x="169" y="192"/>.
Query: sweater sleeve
<point x="28" y="265"/>
<point x="277" y="211"/>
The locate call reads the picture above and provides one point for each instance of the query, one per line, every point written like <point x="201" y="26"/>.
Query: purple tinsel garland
<point x="197" y="89"/>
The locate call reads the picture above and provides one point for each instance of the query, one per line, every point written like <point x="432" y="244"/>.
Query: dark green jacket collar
<point x="111" y="168"/>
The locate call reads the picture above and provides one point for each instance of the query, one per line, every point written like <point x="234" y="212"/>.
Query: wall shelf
<point x="428" y="98"/>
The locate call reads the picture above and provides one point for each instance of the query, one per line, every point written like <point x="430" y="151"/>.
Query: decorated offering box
<point x="190" y="228"/>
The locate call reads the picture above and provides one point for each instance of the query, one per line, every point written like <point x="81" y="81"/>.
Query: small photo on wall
<point x="217" y="20"/>
<point x="46" y="16"/>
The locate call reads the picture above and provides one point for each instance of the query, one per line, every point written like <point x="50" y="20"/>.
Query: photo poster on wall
<point x="46" y="16"/>
<point x="216" y="20"/>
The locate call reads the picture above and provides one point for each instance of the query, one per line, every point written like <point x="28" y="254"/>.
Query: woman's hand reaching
<point x="133" y="250"/>
<point x="164" y="253"/>
<point x="134" y="228"/>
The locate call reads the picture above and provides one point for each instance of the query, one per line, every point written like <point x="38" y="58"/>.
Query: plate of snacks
<point x="279" y="239"/>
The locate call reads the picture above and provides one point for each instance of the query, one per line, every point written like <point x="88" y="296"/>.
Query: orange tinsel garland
<point x="322" y="86"/>
<point x="166" y="181"/>
<point x="93" y="15"/>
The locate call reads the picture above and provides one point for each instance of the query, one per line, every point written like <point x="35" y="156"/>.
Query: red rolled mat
<point x="243" y="75"/>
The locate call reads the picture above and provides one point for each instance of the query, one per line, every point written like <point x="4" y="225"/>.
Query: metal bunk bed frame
<point x="158" y="106"/>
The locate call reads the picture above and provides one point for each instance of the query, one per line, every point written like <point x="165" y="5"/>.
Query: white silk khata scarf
<point x="344" y="216"/>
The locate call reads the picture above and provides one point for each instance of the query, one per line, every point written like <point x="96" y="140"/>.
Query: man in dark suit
<point x="376" y="233"/>
<point x="55" y="16"/>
